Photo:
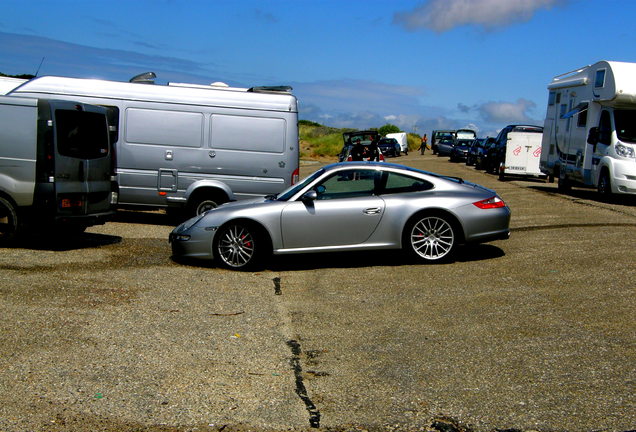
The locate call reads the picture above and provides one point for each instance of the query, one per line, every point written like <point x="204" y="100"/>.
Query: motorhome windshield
<point x="81" y="135"/>
<point x="625" y="125"/>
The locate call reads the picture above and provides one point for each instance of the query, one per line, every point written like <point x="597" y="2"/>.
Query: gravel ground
<point x="536" y="333"/>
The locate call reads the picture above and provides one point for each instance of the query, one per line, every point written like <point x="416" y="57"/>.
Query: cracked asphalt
<point x="537" y="333"/>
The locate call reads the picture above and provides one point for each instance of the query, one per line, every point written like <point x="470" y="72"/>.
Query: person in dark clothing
<point x="357" y="151"/>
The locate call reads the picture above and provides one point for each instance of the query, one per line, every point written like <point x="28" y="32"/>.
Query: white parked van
<point x="589" y="133"/>
<point x="56" y="165"/>
<point x="522" y="154"/>
<point x="191" y="146"/>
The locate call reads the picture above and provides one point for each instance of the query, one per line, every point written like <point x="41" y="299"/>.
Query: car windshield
<point x="625" y="125"/>
<point x="290" y="192"/>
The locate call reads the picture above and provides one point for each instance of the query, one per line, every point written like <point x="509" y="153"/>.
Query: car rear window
<point x="81" y="134"/>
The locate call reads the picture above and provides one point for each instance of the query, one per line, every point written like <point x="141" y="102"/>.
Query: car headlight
<point x="625" y="151"/>
<point x="191" y="222"/>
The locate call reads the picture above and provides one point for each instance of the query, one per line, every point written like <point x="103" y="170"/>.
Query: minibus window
<point x="80" y="134"/>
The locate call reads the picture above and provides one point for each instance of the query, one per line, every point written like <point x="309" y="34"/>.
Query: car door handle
<point x="372" y="211"/>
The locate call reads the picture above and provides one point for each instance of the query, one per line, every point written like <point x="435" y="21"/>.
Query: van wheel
<point x="430" y="238"/>
<point x="203" y="202"/>
<point x="605" y="185"/>
<point x="240" y="246"/>
<point x="8" y="221"/>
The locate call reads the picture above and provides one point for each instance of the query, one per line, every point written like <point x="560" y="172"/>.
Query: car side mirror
<point x="309" y="196"/>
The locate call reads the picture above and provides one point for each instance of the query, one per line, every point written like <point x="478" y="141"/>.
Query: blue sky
<point x="419" y="64"/>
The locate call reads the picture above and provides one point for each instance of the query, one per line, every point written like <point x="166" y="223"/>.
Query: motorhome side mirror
<point x="592" y="137"/>
<point x="311" y="195"/>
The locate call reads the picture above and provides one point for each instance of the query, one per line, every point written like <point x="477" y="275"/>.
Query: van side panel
<point x="18" y="135"/>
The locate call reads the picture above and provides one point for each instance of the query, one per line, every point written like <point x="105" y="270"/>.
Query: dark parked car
<point x="445" y="146"/>
<point x="477" y="150"/>
<point x="481" y="157"/>
<point x="460" y="150"/>
<point x="438" y="135"/>
<point x="389" y="147"/>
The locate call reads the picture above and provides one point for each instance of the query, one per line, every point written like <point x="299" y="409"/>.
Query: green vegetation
<point x="317" y="140"/>
<point x="22" y="76"/>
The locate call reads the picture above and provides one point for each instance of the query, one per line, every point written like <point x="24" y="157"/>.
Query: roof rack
<point x="271" y="89"/>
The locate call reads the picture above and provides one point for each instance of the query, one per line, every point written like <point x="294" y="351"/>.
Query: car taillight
<point x="494" y="202"/>
<point x="381" y="159"/>
<point x="295" y="176"/>
<point x="349" y="158"/>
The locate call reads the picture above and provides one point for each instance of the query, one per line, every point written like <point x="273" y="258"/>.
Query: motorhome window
<point x="259" y="134"/>
<point x="600" y="78"/>
<point x="558" y="98"/>
<point x="625" y="125"/>
<point x="551" y="98"/>
<point x="563" y="108"/>
<point x="81" y="134"/>
<point x="605" y="129"/>
<point x="168" y="128"/>
<point x="582" y="118"/>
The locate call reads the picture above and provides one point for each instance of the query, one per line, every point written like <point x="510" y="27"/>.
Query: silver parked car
<point x="345" y="207"/>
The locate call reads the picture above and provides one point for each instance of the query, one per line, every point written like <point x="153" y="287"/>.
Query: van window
<point x="81" y="134"/>
<point x="159" y="127"/>
<point x="258" y="134"/>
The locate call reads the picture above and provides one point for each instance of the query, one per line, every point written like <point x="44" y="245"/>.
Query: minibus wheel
<point x="8" y="221"/>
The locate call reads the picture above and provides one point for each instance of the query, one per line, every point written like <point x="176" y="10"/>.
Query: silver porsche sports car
<point x="345" y="207"/>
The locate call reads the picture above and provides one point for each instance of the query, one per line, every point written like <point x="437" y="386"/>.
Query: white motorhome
<point x="190" y="146"/>
<point x="589" y="135"/>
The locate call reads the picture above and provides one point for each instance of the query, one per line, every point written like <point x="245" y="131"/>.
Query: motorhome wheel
<point x="604" y="185"/>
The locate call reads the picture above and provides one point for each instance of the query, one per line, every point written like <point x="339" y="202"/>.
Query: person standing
<point x="424" y="144"/>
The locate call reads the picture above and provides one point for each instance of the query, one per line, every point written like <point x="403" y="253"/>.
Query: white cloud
<point x="507" y="112"/>
<point x="443" y="15"/>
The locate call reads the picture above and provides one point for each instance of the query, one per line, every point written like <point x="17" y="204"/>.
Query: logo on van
<point x="517" y="151"/>
<point x="537" y="152"/>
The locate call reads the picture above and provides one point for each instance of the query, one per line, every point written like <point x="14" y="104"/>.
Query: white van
<point x="56" y="165"/>
<point x="589" y="136"/>
<point x="191" y="146"/>
<point x="523" y="152"/>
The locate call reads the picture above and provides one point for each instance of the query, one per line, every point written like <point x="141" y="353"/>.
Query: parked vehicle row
<point x="515" y="150"/>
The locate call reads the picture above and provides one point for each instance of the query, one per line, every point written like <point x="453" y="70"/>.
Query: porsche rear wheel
<point x="430" y="238"/>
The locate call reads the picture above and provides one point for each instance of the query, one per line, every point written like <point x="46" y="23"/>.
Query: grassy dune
<point x="318" y="141"/>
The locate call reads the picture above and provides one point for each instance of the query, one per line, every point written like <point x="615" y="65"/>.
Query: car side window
<point x="350" y="183"/>
<point x="397" y="183"/>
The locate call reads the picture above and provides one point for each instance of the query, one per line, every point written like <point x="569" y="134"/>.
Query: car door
<point x="346" y="212"/>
